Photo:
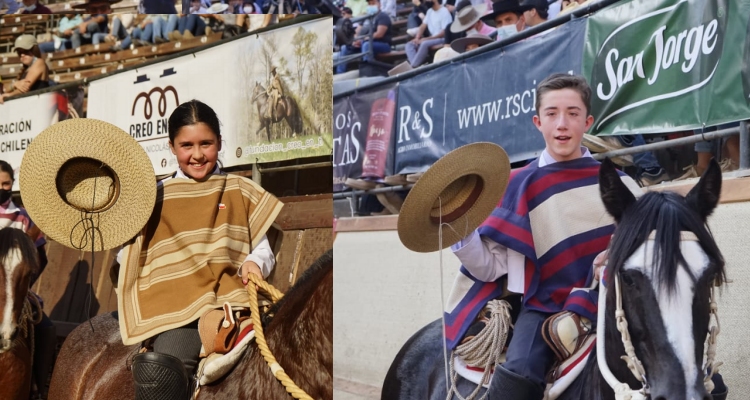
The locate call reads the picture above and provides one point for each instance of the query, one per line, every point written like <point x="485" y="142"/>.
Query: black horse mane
<point x="667" y="213"/>
<point x="309" y="278"/>
<point x="13" y="237"/>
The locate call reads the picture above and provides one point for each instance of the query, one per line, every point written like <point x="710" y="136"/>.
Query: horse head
<point x="18" y="257"/>
<point x="258" y="91"/>
<point x="663" y="264"/>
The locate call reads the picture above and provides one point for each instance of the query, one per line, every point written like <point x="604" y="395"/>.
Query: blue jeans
<point x="49" y="47"/>
<point x="78" y="39"/>
<point x="643" y="160"/>
<point x="192" y="23"/>
<point x="118" y="31"/>
<point x="377" y="48"/>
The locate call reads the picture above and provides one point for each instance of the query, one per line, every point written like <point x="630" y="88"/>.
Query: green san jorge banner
<point x="668" y="65"/>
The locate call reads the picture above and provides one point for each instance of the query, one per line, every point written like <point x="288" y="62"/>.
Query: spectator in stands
<point x="303" y="7"/>
<point x="34" y="74"/>
<point x="197" y="7"/>
<point x="381" y="38"/>
<point x="389" y="7"/>
<point x="35" y="7"/>
<point x="706" y="149"/>
<point x="359" y="7"/>
<point x="61" y="40"/>
<point x="118" y="29"/>
<point x="157" y="7"/>
<point x="470" y="42"/>
<point x="507" y="16"/>
<point x="467" y="22"/>
<point x="535" y="12"/>
<point x="249" y="7"/>
<point x="95" y="23"/>
<point x="11" y="4"/>
<point x="418" y="12"/>
<point x="436" y="20"/>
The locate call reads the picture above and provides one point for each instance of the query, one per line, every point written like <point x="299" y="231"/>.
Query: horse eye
<point x="627" y="279"/>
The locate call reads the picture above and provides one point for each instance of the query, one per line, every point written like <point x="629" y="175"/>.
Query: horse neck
<point x="299" y="334"/>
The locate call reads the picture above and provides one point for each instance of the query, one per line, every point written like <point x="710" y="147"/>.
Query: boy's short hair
<point x="564" y="81"/>
<point x="347" y="10"/>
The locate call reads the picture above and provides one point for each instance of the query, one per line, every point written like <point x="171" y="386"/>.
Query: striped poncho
<point x="554" y="216"/>
<point x="185" y="260"/>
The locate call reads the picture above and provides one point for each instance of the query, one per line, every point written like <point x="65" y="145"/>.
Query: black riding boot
<point x="45" y="341"/>
<point x="720" y="388"/>
<point x="159" y="377"/>
<point x="511" y="386"/>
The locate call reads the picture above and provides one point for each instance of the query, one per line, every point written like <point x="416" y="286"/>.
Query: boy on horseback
<point x="275" y="92"/>
<point x="544" y="235"/>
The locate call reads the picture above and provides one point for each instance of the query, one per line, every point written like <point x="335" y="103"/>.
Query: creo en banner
<point x="232" y="78"/>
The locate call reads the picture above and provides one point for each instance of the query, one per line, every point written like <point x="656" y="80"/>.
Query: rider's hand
<point x="251" y="267"/>
<point x="599" y="263"/>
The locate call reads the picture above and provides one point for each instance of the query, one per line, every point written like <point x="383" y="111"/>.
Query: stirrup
<point x="160" y="376"/>
<point x="565" y="332"/>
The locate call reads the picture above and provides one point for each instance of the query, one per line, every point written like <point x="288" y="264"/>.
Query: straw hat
<point x="461" y="189"/>
<point x="218" y="8"/>
<point x="83" y="167"/>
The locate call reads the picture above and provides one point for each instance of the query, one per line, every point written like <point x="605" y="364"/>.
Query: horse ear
<point x="704" y="196"/>
<point x="615" y="195"/>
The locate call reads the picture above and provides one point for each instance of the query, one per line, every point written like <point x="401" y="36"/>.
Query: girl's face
<point x="6" y="181"/>
<point x="197" y="150"/>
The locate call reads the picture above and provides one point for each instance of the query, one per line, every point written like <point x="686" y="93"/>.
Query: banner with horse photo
<point x="240" y="79"/>
<point x="21" y="120"/>
<point x="668" y="65"/>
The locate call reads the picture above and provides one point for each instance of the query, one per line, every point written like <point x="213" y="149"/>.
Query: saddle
<point x="224" y="333"/>
<point x="570" y="336"/>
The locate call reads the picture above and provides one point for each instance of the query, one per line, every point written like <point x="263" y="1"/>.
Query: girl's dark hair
<point x="191" y="113"/>
<point x="5" y="167"/>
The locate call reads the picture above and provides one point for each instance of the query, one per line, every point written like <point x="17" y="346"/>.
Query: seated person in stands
<point x="303" y="7"/>
<point x="95" y="23"/>
<point x="249" y="7"/>
<point x="34" y="74"/>
<point x="436" y="20"/>
<point x="118" y="29"/>
<point x="535" y="12"/>
<point x="157" y="7"/>
<point x="507" y="17"/>
<point x="197" y="7"/>
<point x="64" y="32"/>
<point x="35" y="7"/>
<point x="416" y="17"/>
<point x="381" y="38"/>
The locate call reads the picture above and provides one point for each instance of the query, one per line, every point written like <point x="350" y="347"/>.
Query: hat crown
<point x="466" y="15"/>
<point x="87" y="184"/>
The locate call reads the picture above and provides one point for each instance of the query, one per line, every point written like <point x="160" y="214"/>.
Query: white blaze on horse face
<point x="677" y="309"/>
<point x="10" y="262"/>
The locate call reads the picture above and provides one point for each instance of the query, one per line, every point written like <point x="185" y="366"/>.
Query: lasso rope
<point x="485" y="349"/>
<point x="276" y="369"/>
<point x="27" y="315"/>
<point x="712" y="366"/>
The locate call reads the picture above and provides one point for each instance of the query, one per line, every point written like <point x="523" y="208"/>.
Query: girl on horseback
<point x="206" y="234"/>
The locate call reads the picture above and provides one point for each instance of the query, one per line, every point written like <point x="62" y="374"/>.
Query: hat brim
<point x="459" y="45"/>
<point x="419" y="231"/>
<point x="97" y="140"/>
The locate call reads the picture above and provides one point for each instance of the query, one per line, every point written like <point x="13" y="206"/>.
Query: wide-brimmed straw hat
<point x="467" y="17"/>
<point x="459" y="45"/>
<point x="461" y="190"/>
<point x="86" y="168"/>
<point x="218" y="8"/>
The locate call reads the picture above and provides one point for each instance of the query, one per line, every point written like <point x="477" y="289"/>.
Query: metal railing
<point x="370" y="54"/>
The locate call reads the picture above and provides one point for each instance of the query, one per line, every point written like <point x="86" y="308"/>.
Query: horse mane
<point x="668" y="213"/>
<point x="15" y="238"/>
<point x="306" y="282"/>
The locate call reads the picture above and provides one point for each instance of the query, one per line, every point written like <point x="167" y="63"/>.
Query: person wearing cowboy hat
<point x="507" y="16"/>
<point x="471" y="42"/>
<point x="521" y="242"/>
<point x="34" y="74"/>
<point x="97" y="22"/>
<point x="35" y="7"/>
<point x="45" y="338"/>
<point x="535" y="12"/>
<point x="469" y="20"/>
<point x="275" y="91"/>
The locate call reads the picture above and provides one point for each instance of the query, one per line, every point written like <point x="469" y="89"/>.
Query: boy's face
<point x="563" y="119"/>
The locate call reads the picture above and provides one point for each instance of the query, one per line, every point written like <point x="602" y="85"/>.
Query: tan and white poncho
<point x="185" y="260"/>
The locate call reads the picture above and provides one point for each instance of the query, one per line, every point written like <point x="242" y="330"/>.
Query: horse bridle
<point x="622" y="390"/>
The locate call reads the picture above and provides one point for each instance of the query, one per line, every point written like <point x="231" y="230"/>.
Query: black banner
<point x="363" y="136"/>
<point x="490" y="97"/>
